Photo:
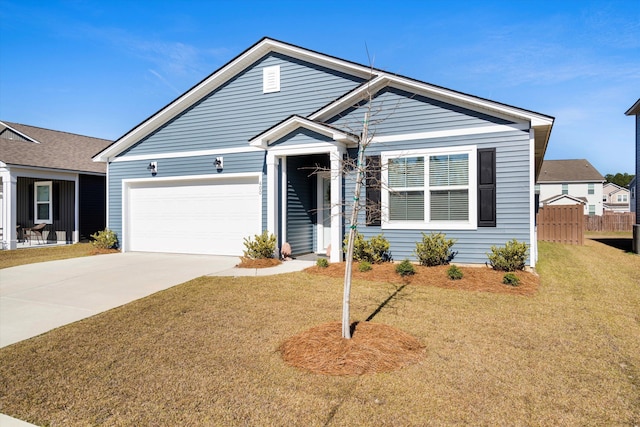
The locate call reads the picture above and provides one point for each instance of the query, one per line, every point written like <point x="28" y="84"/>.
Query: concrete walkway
<point x="37" y="298"/>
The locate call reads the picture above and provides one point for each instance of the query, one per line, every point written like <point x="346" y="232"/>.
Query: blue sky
<point x="99" y="68"/>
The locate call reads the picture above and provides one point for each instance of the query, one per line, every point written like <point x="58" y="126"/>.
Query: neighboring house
<point x="235" y="155"/>
<point x="635" y="111"/>
<point x="615" y="198"/>
<point x="575" y="178"/>
<point x="48" y="177"/>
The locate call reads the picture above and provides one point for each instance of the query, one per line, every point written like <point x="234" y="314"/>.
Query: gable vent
<point x="271" y="79"/>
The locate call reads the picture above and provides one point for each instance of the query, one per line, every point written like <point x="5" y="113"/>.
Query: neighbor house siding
<point x="238" y="110"/>
<point x="512" y="198"/>
<point x="93" y="209"/>
<point x="9" y="134"/>
<point x="637" y="168"/>
<point x="63" y="208"/>
<point x="251" y="162"/>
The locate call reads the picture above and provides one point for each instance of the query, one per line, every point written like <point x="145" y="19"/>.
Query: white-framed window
<point x="433" y="188"/>
<point x="565" y="188"/>
<point x="592" y="210"/>
<point x="622" y="198"/>
<point x="43" y="202"/>
<point x="591" y="189"/>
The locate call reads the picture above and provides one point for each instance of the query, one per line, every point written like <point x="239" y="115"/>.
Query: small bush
<point x="322" y="263"/>
<point x="510" y="279"/>
<point x="511" y="257"/>
<point x="375" y="250"/>
<point x="364" y="266"/>
<point x="105" y="239"/>
<point x="435" y="249"/>
<point x="405" y="268"/>
<point x="454" y="273"/>
<point x="261" y="246"/>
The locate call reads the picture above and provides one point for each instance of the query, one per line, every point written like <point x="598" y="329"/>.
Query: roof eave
<point x="218" y="78"/>
<point x="634" y="110"/>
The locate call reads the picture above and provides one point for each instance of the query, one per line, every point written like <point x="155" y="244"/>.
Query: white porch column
<point x="272" y="188"/>
<point x="336" y="204"/>
<point x="533" y="235"/>
<point x="9" y="210"/>
<point x="76" y="222"/>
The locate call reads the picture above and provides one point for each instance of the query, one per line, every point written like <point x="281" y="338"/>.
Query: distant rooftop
<point x="32" y="146"/>
<point x="578" y="170"/>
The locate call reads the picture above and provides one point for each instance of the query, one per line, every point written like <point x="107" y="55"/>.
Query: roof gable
<point x="564" y="197"/>
<point x="375" y="80"/>
<point x="50" y="149"/>
<point x="296" y="122"/>
<point x="579" y="170"/>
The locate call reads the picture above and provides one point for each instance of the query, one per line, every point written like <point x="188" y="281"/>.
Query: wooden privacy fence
<point x="622" y="221"/>
<point x="561" y="224"/>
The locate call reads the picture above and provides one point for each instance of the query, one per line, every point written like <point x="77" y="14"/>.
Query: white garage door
<point x="197" y="217"/>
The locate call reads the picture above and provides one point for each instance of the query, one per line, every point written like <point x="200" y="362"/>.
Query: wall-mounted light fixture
<point x="218" y="163"/>
<point x="153" y="168"/>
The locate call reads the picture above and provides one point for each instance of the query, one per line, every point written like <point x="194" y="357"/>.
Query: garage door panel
<point x="203" y="218"/>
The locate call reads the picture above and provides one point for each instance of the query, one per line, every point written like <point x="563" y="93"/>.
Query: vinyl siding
<point x="251" y="162"/>
<point x="299" y="137"/>
<point x="512" y="198"/>
<point x="238" y="110"/>
<point x="398" y="112"/>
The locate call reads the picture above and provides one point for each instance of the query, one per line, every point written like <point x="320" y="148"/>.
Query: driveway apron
<point x="36" y="298"/>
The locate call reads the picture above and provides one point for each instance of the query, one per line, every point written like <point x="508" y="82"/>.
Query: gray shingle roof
<point x="579" y="170"/>
<point x="53" y="150"/>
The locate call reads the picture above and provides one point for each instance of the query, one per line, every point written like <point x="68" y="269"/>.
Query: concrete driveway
<point x="36" y="298"/>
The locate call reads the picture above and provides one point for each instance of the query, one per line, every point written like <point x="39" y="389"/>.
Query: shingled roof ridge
<point x="55" y="130"/>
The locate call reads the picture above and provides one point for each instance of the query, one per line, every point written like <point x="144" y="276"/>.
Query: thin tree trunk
<point x="346" y="325"/>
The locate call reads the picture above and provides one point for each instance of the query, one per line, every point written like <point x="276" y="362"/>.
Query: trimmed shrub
<point x="364" y="266"/>
<point x="261" y="246"/>
<point x="510" y="279"/>
<point x="405" y="268"/>
<point x="322" y="263"/>
<point x="105" y="239"/>
<point x="435" y="249"/>
<point x="375" y="250"/>
<point x="510" y="257"/>
<point x="454" y="273"/>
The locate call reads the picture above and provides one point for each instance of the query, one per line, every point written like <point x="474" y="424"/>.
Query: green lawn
<point x="51" y="253"/>
<point x="204" y="353"/>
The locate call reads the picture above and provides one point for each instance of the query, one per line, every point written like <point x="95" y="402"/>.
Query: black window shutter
<point x="487" y="187"/>
<point x="373" y="183"/>
<point x="31" y="201"/>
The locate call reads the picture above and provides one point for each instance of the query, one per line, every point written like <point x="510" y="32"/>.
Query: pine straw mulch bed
<point x="258" y="262"/>
<point x="380" y="348"/>
<point x="482" y="278"/>
<point x="373" y="348"/>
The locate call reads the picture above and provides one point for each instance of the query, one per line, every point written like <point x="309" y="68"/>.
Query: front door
<point x="324" y="212"/>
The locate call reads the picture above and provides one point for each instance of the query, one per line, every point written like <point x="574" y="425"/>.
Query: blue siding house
<point x="635" y="184"/>
<point x="260" y="144"/>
